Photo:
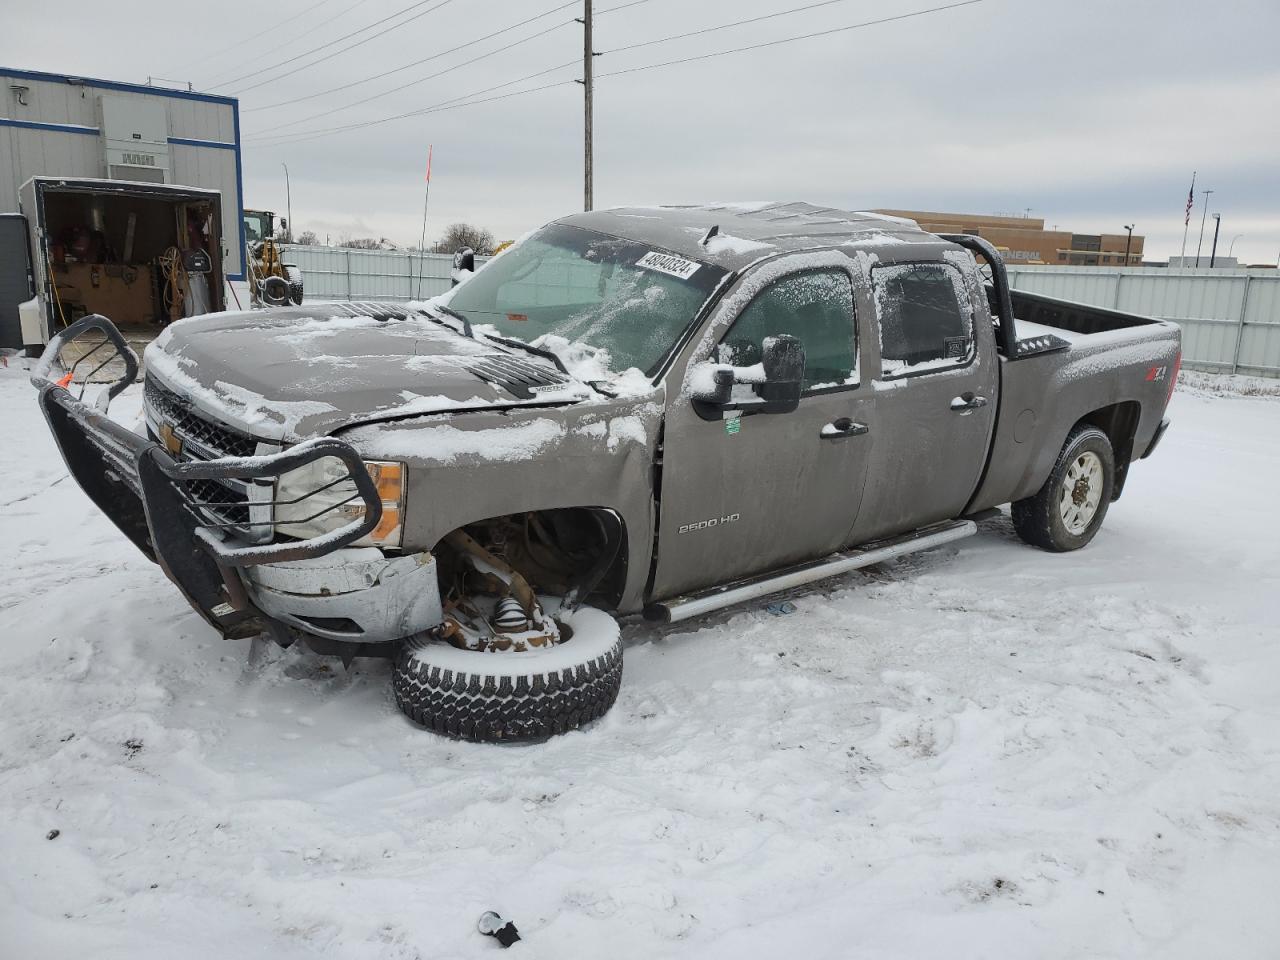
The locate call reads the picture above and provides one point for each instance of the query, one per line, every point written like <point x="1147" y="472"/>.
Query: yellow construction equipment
<point x="271" y="281"/>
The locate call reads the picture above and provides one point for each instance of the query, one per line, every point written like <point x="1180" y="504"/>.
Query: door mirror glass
<point x="772" y="384"/>
<point x="783" y="361"/>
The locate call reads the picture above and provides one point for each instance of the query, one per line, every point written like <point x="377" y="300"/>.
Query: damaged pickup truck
<point x="646" y="410"/>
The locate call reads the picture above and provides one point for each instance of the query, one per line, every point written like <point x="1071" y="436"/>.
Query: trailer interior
<point x="142" y="261"/>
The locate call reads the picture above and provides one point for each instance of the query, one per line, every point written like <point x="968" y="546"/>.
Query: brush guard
<point x="144" y="490"/>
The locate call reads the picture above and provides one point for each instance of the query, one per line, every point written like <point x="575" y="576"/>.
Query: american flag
<point x="1191" y="200"/>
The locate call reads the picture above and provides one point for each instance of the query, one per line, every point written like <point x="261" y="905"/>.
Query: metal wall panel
<point x="336" y="273"/>
<point x="1230" y="319"/>
<point x="215" y="169"/>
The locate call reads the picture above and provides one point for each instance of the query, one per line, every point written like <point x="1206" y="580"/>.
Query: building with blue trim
<point x="62" y="126"/>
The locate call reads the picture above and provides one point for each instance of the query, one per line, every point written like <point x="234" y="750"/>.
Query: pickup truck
<point x="655" y="410"/>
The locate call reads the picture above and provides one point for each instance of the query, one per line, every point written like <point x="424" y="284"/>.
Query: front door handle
<point x="843" y="429"/>
<point x="967" y="403"/>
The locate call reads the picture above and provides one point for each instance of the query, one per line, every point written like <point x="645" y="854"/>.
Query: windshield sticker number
<point x="671" y="265"/>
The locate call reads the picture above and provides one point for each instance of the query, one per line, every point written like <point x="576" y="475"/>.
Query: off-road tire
<point x="488" y="704"/>
<point x="294" y="276"/>
<point x="1038" y="519"/>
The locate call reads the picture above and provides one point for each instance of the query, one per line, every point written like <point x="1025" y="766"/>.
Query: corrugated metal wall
<point x="336" y="273"/>
<point x="1230" y="319"/>
<point x="50" y="128"/>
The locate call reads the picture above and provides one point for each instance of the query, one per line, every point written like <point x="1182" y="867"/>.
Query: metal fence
<point x="336" y="273"/>
<point x="1230" y="319"/>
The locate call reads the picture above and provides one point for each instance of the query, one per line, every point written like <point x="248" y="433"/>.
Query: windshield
<point x="625" y="301"/>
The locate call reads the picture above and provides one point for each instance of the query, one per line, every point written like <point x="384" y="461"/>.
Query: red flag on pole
<point x="430" y="147"/>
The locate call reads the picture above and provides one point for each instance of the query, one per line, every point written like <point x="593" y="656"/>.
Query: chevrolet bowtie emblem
<point x="172" y="442"/>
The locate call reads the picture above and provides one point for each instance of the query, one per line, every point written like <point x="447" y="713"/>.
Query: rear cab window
<point x="925" y="318"/>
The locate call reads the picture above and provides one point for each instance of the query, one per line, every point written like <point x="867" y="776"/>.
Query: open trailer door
<point x="17" y="285"/>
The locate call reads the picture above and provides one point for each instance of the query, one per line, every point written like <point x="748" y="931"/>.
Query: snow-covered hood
<point x="298" y="372"/>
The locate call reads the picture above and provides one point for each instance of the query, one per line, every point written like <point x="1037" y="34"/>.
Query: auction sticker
<point x="669" y="264"/>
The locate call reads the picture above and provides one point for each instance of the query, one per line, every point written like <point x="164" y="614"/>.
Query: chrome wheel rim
<point x="1081" y="493"/>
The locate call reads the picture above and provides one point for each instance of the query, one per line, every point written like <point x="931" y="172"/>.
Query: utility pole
<point x="1217" y="225"/>
<point x="288" y="193"/>
<point x="1127" y="242"/>
<point x="588" y="54"/>
<point x="1203" y="214"/>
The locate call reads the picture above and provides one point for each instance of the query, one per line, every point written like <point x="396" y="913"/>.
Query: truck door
<point x="747" y="492"/>
<point x="936" y="399"/>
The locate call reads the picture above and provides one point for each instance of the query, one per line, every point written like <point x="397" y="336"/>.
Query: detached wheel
<point x="1067" y="511"/>
<point x="502" y="696"/>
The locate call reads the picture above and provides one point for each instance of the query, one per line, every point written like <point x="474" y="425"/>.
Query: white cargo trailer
<point x="61" y="127"/>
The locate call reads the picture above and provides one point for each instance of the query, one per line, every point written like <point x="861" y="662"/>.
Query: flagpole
<point x="426" y="200"/>
<point x="1186" y="222"/>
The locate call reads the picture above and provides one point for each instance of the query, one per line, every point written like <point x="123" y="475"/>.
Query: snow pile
<point x="985" y="751"/>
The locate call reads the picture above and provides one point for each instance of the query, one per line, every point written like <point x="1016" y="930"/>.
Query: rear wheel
<point x="501" y="695"/>
<point x="1066" y="513"/>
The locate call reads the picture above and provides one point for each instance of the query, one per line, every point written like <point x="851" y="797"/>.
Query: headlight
<point x="321" y="497"/>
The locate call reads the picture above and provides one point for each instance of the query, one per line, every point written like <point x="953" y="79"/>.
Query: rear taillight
<point x="1173" y="381"/>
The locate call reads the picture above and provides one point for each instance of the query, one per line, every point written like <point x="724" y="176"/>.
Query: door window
<point x="926" y="318"/>
<point x="815" y="307"/>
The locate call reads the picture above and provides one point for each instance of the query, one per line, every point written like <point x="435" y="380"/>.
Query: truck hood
<point x="290" y="373"/>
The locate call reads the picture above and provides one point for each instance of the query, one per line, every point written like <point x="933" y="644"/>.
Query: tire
<point x="294" y="276"/>
<point x="511" y="697"/>
<point x="1066" y="513"/>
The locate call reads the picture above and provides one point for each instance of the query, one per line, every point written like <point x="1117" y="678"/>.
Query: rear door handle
<point x="967" y="402"/>
<point x="843" y="429"/>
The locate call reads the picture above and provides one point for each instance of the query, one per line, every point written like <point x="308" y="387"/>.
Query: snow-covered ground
<point x="987" y="751"/>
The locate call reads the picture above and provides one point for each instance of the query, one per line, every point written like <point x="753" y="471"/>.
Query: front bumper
<point x="356" y="594"/>
<point x="151" y="497"/>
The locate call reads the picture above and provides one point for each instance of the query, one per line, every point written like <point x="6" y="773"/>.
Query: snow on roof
<point x="747" y="231"/>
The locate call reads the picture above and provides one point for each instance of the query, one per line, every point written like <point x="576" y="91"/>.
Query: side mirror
<point x="464" y="263"/>
<point x="776" y="380"/>
<point x="783" y="361"/>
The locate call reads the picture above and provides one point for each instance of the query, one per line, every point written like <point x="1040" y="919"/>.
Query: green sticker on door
<point x="733" y="425"/>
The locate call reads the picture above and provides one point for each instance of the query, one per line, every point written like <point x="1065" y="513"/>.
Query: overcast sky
<point x="1093" y="113"/>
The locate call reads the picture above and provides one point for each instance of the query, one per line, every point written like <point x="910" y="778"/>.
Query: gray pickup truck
<point x="656" y="410"/>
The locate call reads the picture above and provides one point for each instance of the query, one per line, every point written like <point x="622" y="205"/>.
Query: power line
<point x="345" y="36"/>
<point x="302" y="135"/>
<point x="454" y="103"/>
<point x="725" y="26"/>
<point x="803" y="36"/>
<point x="418" y="63"/>
<point x="423" y="80"/>
<point x="239" y="48"/>
<point x="301" y="36"/>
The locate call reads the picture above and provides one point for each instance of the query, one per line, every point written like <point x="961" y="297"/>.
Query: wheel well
<point x="1119" y="422"/>
<point x="557" y="550"/>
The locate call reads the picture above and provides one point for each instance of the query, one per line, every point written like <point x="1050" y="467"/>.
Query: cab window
<point x="926" y="319"/>
<point x="816" y="307"/>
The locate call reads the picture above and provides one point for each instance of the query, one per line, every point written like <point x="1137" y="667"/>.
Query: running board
<point x="716" y="598"/>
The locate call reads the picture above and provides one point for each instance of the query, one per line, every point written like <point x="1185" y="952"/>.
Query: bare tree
<point x="307" y="238"/>
<point x="361" y="243"/>
<point x="459" y="235"/>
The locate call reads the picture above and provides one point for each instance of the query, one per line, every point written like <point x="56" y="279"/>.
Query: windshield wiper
<point x="466" y="324"/>
<point x="529" y="348"/>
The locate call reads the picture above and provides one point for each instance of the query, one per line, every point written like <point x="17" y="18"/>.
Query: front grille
<point x="223" y="503"/>
<point x="220" y="440"/>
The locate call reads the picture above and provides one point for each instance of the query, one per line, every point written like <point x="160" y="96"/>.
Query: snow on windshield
<point x="604" y="305"/>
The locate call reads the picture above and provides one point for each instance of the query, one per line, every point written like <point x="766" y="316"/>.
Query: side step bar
<point x="716" y="598"/>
